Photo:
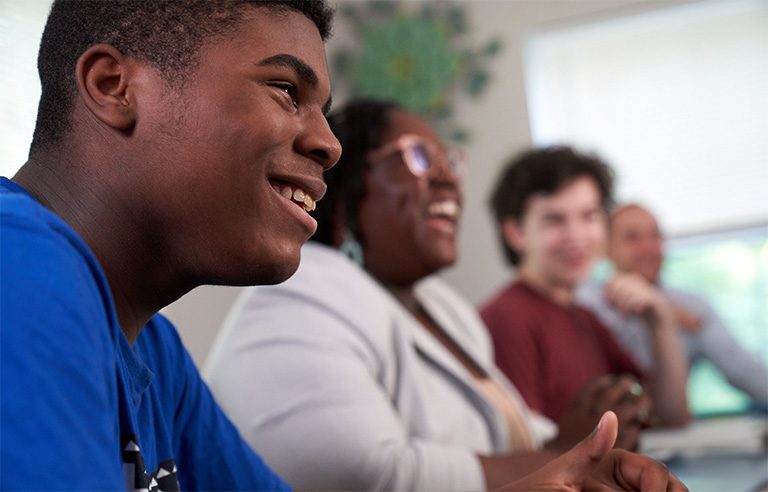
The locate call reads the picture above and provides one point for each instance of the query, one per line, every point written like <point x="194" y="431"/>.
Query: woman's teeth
<point x="298" y="196"/>
<point x="445" y="208"/>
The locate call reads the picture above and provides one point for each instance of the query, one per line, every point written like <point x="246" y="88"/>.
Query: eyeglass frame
<point x="452" y="160"/>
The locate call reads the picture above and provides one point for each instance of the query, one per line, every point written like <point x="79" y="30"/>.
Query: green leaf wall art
<point x="416" y="55"/>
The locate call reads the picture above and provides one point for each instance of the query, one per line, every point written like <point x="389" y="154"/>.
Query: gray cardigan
<point x="338" y="387"/>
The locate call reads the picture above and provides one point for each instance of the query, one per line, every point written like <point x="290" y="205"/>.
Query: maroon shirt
<point x="550" y="351"/>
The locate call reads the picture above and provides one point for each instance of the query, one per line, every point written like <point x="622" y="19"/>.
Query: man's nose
<point x="319" y="143"/>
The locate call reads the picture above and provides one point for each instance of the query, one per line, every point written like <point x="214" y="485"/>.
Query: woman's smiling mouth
<point x="443" y="215"/>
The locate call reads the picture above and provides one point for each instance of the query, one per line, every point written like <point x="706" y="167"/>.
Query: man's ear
<point x="511" y="229"/>
<point x="103" y="74"/>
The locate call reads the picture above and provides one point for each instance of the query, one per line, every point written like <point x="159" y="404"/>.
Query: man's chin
<point x="266" y="272"/>
<point x="574" y="279"/>
<point x="279" y="272"/>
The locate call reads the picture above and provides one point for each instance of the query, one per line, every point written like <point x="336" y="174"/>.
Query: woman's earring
<point x="351" y="248"/>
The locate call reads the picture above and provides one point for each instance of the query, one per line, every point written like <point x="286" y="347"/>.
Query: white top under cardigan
<point x="338" y="387"/>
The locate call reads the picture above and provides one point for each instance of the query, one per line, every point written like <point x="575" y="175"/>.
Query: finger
<point x="625" y="388"/>
<point x="634" y="415"/>
<point x="623" y="299"/>
<point x="655" y="477"/>
<point x="603" y="381"/>
<point x="614" y="289"/>
<point x="644" y="408"/>
<point x="623" y="397"/>
<point x="594" y="485"/>
<point x="593" y="390"/>
<point x="604" y="436"/>
<point x="611" y="289"/>
<point x="686" y="319"/>
<point x="577" y="465"/>
<point x="591" y="387"/>
<point x="628" y="438"/>
<point x="635" y="302"/>
<point x="676" y="485"/>
<point x="573" y="470"/>
<point x="638" y="472"/>
<point x="629" y="416"/>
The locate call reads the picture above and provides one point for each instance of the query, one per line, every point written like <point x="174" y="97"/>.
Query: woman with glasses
<point x="364" y="371"/>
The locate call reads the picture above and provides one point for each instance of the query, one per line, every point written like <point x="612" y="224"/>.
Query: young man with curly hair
<point x="550" y="208"/>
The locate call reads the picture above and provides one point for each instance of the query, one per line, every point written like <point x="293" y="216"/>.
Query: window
<point x="674" y="99"/>
<point x="730" y="269"/>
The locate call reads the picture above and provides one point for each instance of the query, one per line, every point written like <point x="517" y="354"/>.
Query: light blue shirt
<point x="713" y="341"/>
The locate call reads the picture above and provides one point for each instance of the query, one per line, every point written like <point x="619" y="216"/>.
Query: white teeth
<point x="309" y="203"/>
<point x="445" y="208"/>
<point x="298" y="195"/>
<point x="287" y="192"/>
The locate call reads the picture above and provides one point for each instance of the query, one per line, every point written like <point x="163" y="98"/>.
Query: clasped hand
<point x="621" y="394"/>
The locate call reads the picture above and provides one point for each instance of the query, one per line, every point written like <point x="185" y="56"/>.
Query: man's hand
<point x="630" y="293"/>
<point x="686" y="319"/>
<point x="633" y="294"/>
<point x="622" y="394"/>
<point x="594" y="465"/>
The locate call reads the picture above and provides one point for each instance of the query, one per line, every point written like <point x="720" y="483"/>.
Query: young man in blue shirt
<point x="164" y="130"/>
<point x="167" y="139"/>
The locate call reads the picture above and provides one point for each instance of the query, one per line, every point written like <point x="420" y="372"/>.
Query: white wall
<point x="21" y="26"/>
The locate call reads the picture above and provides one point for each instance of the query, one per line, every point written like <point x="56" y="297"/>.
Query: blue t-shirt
<point x="79" y="407"/>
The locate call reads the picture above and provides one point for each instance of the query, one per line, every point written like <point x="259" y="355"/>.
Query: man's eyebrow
<point x="553" y="214"/>
<point x="303" y="70"/>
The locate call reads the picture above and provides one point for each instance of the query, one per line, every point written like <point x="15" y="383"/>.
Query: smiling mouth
<point x="444" y="209"/>
<point x="577" y="260"/>
<point x="295" y="194"/>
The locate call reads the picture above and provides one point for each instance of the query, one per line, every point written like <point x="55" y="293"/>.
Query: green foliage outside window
<point x="733" y="275"/>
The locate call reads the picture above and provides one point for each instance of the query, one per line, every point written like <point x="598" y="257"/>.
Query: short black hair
<point x="358" y="126"/>
<point x="166" y="33"/>
<point x="544" y="171"/>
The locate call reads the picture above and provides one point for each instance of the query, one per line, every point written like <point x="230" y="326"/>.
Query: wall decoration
<point x="416" y="54"/>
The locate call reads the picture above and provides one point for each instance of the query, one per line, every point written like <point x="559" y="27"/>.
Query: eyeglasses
<point x="421" y="155"/>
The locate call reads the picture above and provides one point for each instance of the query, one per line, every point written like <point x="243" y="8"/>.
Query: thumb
<point x="602" y="439"/>
<point x="571" y="470"/>
<point x="580" y="462"/>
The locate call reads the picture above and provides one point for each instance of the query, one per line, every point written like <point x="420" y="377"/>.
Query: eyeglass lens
<point x="418" y="159"/>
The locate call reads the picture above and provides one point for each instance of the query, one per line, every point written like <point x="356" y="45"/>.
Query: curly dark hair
<point x="165" y="33"/>
<point x="544" y="171"/>
<point x="358" y="126"/>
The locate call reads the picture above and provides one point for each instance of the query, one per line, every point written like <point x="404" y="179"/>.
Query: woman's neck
<point x="406" y="296"/>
